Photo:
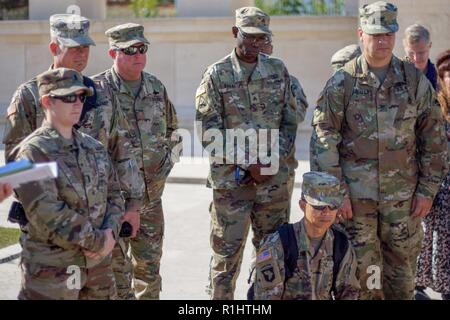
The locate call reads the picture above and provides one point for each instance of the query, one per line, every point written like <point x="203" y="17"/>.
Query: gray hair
<point x="416" y="33"/>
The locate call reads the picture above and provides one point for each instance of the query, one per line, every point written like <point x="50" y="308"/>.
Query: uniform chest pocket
<point x="406" y="116"/>
<point x="150" y="113"/>
<point x="69" y="182"/>
<point x="98" y="177"/>
<point x="236" y="104"/>
<point x="360" y="112"/>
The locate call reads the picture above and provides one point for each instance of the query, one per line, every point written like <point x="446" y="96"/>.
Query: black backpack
<point x="290" y="249"/>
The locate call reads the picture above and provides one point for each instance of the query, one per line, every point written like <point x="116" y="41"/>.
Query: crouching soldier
<point x="311" y="259"/>
<point x="73" y="220"/>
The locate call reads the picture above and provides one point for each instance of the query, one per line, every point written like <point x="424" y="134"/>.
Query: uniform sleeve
<point x="347" y="284"/>
<point x="18" y="124"/>
<point x="431" y="141"/>
<point x="46" y="212"/>
<point x="289" y="119"/>
<point x="269" y="270"/>
<point x="209" y="111"/>
<point x="300" y="97"/>
<point x="114" y="206"/>
<point x="327" y="122"/>
<point x="172" y="122"/>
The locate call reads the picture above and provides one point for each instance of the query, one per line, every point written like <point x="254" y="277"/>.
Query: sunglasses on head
<point x="71" y="98"/>
<point x="131" y="51"/>
<point x="322" y="208"/>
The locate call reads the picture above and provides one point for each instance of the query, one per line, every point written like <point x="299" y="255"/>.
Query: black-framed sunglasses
<point x="322" y="208"/>
<point x="250" y="38"/>
<point x="131" y="51"/>
<point x="71" y="98"/>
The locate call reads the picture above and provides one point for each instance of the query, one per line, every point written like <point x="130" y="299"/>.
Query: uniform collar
<point x="118" y="82"/>
<point x="305" y="243"/>
<point x="62" y="143"/>
<point x="258" y="73"/>
<point x="394" y="73"/>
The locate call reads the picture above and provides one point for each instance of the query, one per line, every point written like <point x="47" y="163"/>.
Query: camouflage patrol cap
<point x="61" y="82"/>
<point x="344" y="55"/>
<point x="71" y="30"/>
<point x="321" y="189"/>
<point x="378" y="17"/>
<point x="126" y="35"/>
<point x="252" y="20"/>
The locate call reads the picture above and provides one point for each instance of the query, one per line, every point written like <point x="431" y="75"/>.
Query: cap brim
<point x="129" y="43"/>
<point x="71" y="90"/>
<point x="378" y="29"/>
<point x="76" y="42"/>
<point x="255" y="30"/>
<point x="333" y="202"/>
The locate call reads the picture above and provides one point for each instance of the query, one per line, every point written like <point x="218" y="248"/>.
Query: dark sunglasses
<point x="131" y="51"/>
<point x="71" y="98"/>
<point x="322" y="208"/>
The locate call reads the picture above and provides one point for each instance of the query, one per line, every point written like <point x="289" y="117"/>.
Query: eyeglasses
<point x="255" y="40"/>
<point x="71" y="98"/>
<point x="322" y="208"/>
<point x="131" y="51"/>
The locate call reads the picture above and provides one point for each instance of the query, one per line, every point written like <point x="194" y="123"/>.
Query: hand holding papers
<point x="23" y="171"/>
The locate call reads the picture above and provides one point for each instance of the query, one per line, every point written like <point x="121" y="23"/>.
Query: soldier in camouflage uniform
<point x="302" y="105"/>
<point x="313" y="277"/>
<point x="378" y="128"/>
<point x="75" y="218"/>
<point x="344" y="55"/>
<point x="69" y="46"/>
<point x="151" y="121"/>
<point x="245" y="90"/>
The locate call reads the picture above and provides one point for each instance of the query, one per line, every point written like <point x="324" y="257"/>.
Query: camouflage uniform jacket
<point x="25" y="115"/>
<point x="225" y="100"/>
<point x="151" y="121"/>
<point x="386" y="144"/>
<point x="67" y="214"/>
<point x="312" y="280"/>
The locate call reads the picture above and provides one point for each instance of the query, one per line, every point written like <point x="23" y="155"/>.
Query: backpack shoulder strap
<point x="340" y="247"/>
<point x="349" y="80"/>
<point x="38" y="116"/>
<point x="412" y="78"/>
<point x="290" y="248"/>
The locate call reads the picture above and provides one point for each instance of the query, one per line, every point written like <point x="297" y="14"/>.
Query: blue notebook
<point x="14" y="167"/>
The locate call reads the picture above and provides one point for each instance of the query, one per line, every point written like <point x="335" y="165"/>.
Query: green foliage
<point x="301" y="7"/>
<point x="145" y="8"/>
<point x="8" y="236"/>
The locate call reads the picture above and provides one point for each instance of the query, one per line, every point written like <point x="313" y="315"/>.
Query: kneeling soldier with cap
<point x="75" y="218"/>
<point x="310" y="259"/>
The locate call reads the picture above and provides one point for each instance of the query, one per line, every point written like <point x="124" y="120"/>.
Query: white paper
<point x="39" y="171"/>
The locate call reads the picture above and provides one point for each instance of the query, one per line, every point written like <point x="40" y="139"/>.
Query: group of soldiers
<point x="111" y="136"/>
<point x="378" y="153"/>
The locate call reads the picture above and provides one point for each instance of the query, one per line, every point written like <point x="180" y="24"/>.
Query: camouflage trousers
<point x="264" y="207"/>
<point x="146" y="248"/>
<point x="41" y="282"/>
<point x="387" y="243"/>
<point x="123" y="270"/>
